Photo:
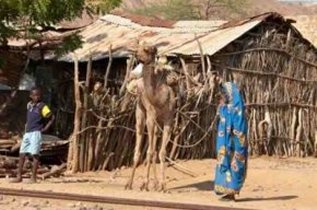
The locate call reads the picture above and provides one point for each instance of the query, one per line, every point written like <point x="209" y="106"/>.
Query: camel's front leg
<point x="140" y="124"/>
<point x="150" y="129"/>
<point x="162" y="155"/>
<point x="156" y="134"/>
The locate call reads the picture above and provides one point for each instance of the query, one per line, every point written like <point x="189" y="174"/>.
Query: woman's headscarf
<point x="236" y="107"/>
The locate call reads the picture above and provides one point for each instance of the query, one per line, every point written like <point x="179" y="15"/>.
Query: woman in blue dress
<point x="231" y="146"/>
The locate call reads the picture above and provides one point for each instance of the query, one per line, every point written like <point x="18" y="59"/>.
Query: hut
<point x="270" y="60"/>
<point x="21" y="68"/>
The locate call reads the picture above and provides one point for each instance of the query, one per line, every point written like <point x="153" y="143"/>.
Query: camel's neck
<point x="149" y="79"/>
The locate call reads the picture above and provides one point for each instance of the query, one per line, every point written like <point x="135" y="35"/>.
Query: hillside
<point x="285" y="9"/>
<point x="253" y="7"/>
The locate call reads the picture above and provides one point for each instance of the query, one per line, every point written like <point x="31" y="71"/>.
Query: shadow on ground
<point x="288" y="197"/>
<point x="203" y="186"/>
<point x="69" y="181"/>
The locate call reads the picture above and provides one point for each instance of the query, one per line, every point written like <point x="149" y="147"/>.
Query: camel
<point x="155" y="109"/>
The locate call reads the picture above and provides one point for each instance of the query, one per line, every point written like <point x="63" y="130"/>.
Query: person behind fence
<point x="231" y="145"/>
<point x="39" y="119"/>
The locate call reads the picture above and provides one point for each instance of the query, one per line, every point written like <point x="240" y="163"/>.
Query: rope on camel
<point x="200" y="140"/>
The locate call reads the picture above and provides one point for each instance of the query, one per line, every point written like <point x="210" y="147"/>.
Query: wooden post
<point x="89" y="145"/>
<point x="299" y="131"/>
<point x="108" y="68"/>
<point x="78" y="107"/>
<point x="129" y="67"/>
<point x="184" y="67"/>
<point x="84" y="136"/>
<point x="202" y="58"/>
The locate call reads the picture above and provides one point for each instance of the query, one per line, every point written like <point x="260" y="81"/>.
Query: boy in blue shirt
<point x="37" y="113"/>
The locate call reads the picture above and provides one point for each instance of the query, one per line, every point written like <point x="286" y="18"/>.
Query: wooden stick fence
<point x="276" y="71"/>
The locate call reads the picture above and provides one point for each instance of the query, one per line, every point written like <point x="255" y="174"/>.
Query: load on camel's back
<point x="136" y="86"/>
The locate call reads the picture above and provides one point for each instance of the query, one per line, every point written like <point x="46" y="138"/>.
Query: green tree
<point x="28" y="19"/>
<point x="222" y="9"/>
<point x="194" y="9"/>
<point x="103" y="6"/>
<point x="171" y="9"/>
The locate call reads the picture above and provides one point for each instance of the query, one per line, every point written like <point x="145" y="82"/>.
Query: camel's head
<point x="146" y="54"/>
<point x="97" y="88"/>
<point x="215" y="81"/>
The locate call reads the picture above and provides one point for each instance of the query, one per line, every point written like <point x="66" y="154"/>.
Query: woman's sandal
<point x="228" y="197"/>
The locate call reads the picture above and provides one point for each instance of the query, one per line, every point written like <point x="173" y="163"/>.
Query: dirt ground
<point x="271" y="184"/>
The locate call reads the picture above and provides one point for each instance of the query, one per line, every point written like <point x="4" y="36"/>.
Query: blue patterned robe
<point x="231" y="146"/>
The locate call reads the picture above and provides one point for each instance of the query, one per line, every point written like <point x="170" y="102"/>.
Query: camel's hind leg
<point x="162" y="155"/>
<point x="315" y="144"/>
<point x="150" y="129"/>
<point x="140" y="124"/>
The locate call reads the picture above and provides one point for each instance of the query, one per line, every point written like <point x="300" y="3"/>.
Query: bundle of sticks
<point x="9" y="168"/>
<point x="10" y="144"/>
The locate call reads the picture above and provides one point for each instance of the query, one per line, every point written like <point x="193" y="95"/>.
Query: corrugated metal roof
<point x="192" y="25"/>
<point x="213" y="41"/>
<point x="180" y="39"/>
<point x="177" y="27"/>
<point x="13" y="42"/>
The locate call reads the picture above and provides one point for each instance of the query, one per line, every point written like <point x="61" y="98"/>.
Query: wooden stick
<point x="292" y="131"/>
<point x="84" y="144"/>
<point x="299" y="133"/>
<point x="188" y="77"/>
<point x="267" y="120"/>
<point x="7" y="141"/>
<point x="108" y="67"/>
<point x="202" y="58"/>
<point x="75" y="140"/>
<point x="130" y="62"/>
<point x="182" y="168"/>
<point x="105" y="164"/>
<point x="55" y="171"/>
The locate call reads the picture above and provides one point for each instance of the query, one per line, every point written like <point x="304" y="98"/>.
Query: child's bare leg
<point x="20" y="168"/>
<point x="35" y="166"/>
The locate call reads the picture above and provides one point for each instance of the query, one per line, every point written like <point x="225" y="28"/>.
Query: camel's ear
<point x="133" y="45"/>
<point x="146" y="48"/>
<point x="152" y="50"/>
